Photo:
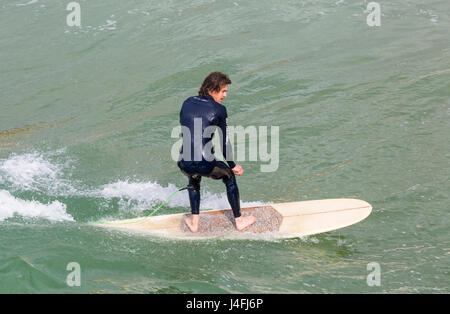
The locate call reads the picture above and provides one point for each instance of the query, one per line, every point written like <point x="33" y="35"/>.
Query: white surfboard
<point x="283" y="220"/>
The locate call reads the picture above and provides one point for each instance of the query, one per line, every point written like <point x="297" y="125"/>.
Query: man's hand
<point x="238" y="170"/>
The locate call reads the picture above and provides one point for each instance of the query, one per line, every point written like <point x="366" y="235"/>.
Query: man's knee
<point x="194" y="182"/>
<point x="221" y="173"/>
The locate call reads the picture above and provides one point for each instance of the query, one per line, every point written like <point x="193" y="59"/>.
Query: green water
<point x="85" y="135"/>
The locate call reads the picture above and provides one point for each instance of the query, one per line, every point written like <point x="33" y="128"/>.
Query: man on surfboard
<point x="200" y="116"/>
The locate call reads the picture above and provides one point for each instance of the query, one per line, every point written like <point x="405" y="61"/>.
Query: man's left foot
<point x="192" y="223"/>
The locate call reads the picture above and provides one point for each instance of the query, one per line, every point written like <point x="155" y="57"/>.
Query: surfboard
<point x="282" y="220"/>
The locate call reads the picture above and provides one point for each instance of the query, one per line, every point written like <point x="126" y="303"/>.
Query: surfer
<point x="200" y="116"/>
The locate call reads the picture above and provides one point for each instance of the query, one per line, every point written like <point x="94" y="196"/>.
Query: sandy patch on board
<point x="222" y="222"/>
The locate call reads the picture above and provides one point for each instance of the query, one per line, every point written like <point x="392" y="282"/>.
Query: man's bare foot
<point x="192" y="222"/>
<point x="244" y="222"/>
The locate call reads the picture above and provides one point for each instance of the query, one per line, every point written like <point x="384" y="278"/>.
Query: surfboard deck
<point x="282" y="220"/>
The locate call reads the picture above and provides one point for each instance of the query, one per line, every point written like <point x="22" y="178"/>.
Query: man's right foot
<point x="244" y="222"/>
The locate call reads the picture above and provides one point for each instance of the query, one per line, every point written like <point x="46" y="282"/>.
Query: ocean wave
<point x="10" y="206"/>
<point x="140" y="195"/>
<point x="49" y="175"/>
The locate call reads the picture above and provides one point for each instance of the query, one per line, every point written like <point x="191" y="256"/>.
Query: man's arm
<point x="227" y="150"/>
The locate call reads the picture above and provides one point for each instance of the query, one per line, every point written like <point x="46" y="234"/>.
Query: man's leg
<point x="194" y="200"/>
<point x="222" y="171"/>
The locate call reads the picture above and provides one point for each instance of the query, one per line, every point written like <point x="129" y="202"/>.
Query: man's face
<point x="220" y="95"/>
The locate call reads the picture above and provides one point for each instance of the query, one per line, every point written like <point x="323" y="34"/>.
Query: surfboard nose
<point x="311" y="217"/>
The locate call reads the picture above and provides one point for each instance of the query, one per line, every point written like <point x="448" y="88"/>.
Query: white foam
<point x="143" y="192"/>
<point x="28" y="3"/>
<point x="430" y="14"/>
<point x="10" y="205"/>
<point x="28" y="170"/>
<point x="34" y="172"/>
<point x="143" y="195"/>
<point x="110" y="25"/>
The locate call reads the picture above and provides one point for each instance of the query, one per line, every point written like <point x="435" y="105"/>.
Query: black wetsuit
<point x="199" y="117"/>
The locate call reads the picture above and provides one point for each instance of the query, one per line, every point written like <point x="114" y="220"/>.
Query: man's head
<point x="216" y="85"/>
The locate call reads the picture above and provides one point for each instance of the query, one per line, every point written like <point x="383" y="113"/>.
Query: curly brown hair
<point x="214" y="82"/>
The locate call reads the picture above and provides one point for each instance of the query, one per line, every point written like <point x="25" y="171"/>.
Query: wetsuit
<point x="200" y="116"/>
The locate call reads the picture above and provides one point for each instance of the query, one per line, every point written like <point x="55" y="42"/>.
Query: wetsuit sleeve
<point x="226" y="145"/>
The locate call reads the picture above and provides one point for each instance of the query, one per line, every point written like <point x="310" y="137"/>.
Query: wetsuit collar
<point x="209" y="97"/>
